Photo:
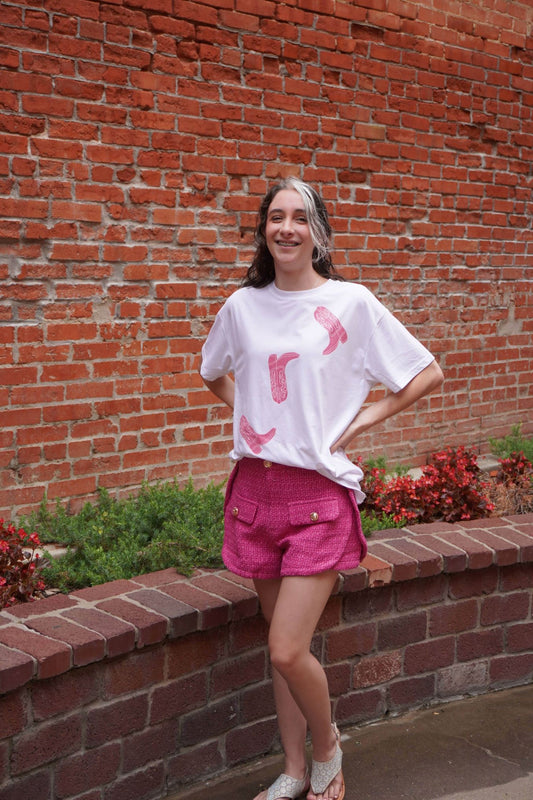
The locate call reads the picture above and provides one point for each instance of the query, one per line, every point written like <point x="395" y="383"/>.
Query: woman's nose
<point x="286" y="225"/>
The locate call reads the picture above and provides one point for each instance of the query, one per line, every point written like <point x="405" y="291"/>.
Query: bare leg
<point x="293" y="607"/>
<point x="291" y="721"/>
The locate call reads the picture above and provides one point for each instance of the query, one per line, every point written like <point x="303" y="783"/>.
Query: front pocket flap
<point x="310" y="512"/>
<point x="243" y="510"/>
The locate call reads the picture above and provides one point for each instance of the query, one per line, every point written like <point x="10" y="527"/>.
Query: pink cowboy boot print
<point x="278" y="379"/>
<point x="329" y="321"/>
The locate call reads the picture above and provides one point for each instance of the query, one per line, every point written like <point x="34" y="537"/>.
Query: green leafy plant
<point x="163" y="526"/>
<point x="514" y="442"/>
<point x="20" y="568"/>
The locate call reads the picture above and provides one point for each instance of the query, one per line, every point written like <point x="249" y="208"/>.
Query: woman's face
<point x="287" y="233"/>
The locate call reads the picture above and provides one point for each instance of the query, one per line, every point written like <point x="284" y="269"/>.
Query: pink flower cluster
<point x="19" y="565"/>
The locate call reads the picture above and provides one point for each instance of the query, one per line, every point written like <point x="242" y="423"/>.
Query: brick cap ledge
<point x="48" y="637"/>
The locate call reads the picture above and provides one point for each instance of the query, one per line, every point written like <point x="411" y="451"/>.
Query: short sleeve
<point x="217" y="359"/>
<point x="394" y="357"/>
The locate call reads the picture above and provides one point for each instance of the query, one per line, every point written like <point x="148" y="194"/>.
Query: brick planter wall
<point x="133" y="689"/>
<point x="136" y="140"/>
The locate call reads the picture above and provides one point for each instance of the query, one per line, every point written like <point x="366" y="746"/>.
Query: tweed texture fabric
<point x="281" y="521"/>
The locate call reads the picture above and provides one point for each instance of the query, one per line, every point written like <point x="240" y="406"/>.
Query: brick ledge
<point x="48" y="637"/>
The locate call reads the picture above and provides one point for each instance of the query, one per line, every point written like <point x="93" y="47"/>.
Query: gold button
<point x="314" y="516"/>
<point x="235" y="511"/>
<point x="267" y="464"/>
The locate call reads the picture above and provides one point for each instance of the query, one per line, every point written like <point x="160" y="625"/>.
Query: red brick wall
<point x="137" y="688"/>
<point x="136" y="141"/>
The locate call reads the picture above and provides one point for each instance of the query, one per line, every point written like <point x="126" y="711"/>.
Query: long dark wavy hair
<point x="261" y="270"/>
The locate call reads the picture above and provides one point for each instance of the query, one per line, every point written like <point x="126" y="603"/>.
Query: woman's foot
<point x="286" y="787"/>
<point x="327" y="781"/>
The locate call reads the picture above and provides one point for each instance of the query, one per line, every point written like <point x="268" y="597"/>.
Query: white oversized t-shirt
<point x="303" y="364"/>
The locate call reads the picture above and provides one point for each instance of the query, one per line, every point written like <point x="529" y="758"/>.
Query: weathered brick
<point x="37" y="784"/>
<point x="174" y="698"/>
<point x="411" y="692"/>
<point x="147" y="782"/>
<point x="460" y="616"/>
<point x="116" y="720"/>
<point x="87" y="646"/>
<point x="46" y="743"/>
<point x="16" y="669"/>
<point x="472" y="583"/>
<point x="377" y="669"/>
<point x="347" y="642"/>
<point x="480" y="643"/>
<point x="401" y="630"/>
<point x="232" y="675"/>
<point x="81" y="772"/>
<point x="182" y="618"/>
<point x="404" y="567"/>
<point x="511" y="669"/>
<point x="421" y="592"/>
<point x="360" y="705"/>
<point x="505" y="608"/>
<point x="51" y="657"/>
<point x="144" y="668"/>
<point x="213" y="611"/>
<point x="14" y="714"/>
<point x="194" y="763"/>
<point x="65" y="693"/>
<point x="520" y="637"/>
<point x="429" y="656"/>
<point x="194" y="652"/>
<point x="460" y="679"/>
<point x="118" y="635"/>
<point x="251" y="741"/>
<point x="151" y="628"/>
<point x="208" y="722"/>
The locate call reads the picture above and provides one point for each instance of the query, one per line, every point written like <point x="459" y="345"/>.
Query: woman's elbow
<point x="436" y="376"/>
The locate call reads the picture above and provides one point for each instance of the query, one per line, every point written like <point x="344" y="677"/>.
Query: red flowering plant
<point x="373" y="481"/>
<point x="20" y="569"/>
<point x="450" y="488"/>
<point x="399" y="499"/>
<point x="515" y="469"/>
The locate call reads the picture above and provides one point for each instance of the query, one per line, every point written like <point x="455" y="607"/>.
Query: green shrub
<point x="514" y="442"/>
<point x="163" y="526"/>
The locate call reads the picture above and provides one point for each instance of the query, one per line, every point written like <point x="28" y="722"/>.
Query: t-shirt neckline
<point x="288" y="293"/>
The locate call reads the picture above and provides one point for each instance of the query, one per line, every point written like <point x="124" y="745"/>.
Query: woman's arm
<point x="426" y="381"/>
<point x="223" y="388"/>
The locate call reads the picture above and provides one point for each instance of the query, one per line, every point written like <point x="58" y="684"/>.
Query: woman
<point x="305" y="348"/>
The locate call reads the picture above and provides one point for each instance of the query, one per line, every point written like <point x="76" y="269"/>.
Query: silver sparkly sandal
<point x="285" y="786"/>
<point x="323" y="772"/>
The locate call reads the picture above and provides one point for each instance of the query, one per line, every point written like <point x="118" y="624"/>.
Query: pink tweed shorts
<point x="281" y="521"/>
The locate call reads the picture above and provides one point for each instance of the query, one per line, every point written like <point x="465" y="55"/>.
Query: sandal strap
<point x="323" y="772"/>
<point x="287" y="787"/>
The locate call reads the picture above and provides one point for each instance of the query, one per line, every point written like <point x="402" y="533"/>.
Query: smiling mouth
<point x="287" y="244"/>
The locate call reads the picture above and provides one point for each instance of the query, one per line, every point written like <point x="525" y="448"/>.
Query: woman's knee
<point x="285" y="656"/>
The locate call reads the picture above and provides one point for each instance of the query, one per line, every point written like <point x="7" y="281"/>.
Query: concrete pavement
<point x="480" y="748"/>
